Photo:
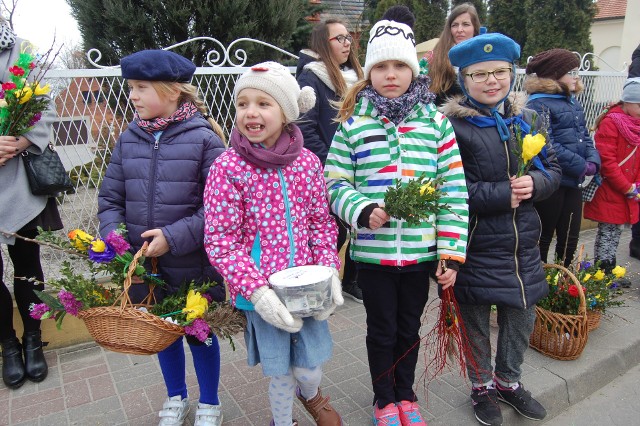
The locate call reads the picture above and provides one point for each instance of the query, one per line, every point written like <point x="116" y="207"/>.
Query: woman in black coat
<point x="330" y="66"/>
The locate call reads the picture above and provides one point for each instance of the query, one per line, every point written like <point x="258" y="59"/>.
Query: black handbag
<point x="46" y="172"/>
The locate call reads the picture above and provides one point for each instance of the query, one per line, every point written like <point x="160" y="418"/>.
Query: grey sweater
<point x="17" y="205"/>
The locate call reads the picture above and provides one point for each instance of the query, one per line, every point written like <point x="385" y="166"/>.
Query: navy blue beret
<point x="482" y="48"/>
<point x="157" y="65"/>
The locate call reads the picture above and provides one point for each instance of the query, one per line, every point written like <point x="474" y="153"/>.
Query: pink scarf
<point x="184" y="112"/>
<point x="284" y="152"/>
<point x="629" y="127"/>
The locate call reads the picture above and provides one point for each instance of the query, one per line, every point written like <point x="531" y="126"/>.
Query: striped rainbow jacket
<point x="368" y="154"/>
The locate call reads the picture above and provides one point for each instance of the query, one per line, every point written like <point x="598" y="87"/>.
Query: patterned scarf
<point x="7" y="37"/>
<point x="284" y="152"/>
<point x="183" y="113"/>
<point x="397" y="109"/>
<point x="629" y="127"/>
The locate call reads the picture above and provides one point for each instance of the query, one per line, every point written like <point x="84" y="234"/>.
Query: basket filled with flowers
<point x="99" y="295"/>
<point x="602" y="289"/>
<point x="560" y="328"/>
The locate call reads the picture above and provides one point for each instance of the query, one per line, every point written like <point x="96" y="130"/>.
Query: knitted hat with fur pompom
<point x="276" y="80"/>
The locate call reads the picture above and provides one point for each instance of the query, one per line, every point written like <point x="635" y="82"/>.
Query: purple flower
<point x="613" y="285"/>
<point x="208" y="297"/>
<point x="70" y="303"/>
<point x="199" y="329"/>
<point x="101" y="252"/>
<point x="585" y="265"/>
<point x="38" y="310"/>
<point x="36" y="117"/>
<point x="117" y="242"/>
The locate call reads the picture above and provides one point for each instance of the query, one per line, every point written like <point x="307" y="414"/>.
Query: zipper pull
<point x="155" y="145"/>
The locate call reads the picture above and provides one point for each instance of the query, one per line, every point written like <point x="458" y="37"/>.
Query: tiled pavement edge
<point x="90" y="386"/>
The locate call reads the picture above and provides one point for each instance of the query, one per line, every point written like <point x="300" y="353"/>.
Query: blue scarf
<point x="525" y="128"/>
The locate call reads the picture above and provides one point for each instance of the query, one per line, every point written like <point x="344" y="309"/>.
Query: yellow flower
<point x="427" y="188"/>
<point x="619" y="271"/>
<point x="586" y="277"/>
<point x="24" y="95"/>
<point x="599" y="275"/>
<point x="598" y="296"/>
<point x="196" y="305"/>
<point x="531" y="146"/>
<point x="98" y="246"/>
<point x="42" y="90"/>
<point x="80" y="239"/>
<point x="3" y="103"/>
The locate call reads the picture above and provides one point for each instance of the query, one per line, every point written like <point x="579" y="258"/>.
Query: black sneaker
<point x="485" y="406"/>
<point x="352" y="291"/>
<point x="522" y="401"/>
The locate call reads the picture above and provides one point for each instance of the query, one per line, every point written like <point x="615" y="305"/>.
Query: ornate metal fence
<point x="93" y="110"/>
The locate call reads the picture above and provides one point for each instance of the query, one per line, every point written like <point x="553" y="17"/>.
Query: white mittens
<point x="336" y="296"/>
<point x="271" y="309"/>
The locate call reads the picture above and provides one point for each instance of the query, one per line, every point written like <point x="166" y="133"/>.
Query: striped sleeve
<point x="339" y="172"/>
<point x="452" y="223"/>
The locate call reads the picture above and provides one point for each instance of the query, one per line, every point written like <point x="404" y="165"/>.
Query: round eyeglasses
<point x="574" y="73"/>
<point x="342" y="38"/>
<point x="482" y="76"/>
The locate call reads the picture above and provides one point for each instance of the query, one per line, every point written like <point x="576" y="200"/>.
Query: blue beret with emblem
<point x="157" y="65"/>
<point x="482" y="48"/>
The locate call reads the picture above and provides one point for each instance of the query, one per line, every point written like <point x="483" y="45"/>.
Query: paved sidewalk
<point x="90" y="386"/>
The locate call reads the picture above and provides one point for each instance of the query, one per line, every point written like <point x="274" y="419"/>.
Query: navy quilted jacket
<point x="568" y="128"/>
<point x="152" y="185"/>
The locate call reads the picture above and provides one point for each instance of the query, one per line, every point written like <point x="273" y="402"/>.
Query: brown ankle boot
<point x="320" y="409"/>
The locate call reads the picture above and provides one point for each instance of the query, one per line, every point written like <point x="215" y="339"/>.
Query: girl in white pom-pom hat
<point x="266" y="210"/>
<point x="390" y="132"/>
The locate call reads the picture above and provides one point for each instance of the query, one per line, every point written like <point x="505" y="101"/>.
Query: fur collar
<point x="457" y="107"/>
<point x="535" y="84"/>
<point x="320" y="70"/>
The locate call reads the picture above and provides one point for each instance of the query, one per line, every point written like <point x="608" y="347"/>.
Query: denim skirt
<point x="278" y="350"/>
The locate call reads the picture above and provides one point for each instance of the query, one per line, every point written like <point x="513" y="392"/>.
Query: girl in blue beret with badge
<point x="503" y="265"/>
<point x="154" y="185"/>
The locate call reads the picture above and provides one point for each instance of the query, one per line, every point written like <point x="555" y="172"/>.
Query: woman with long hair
<point x="462" y="24"/>
<point x="330" y="66"/>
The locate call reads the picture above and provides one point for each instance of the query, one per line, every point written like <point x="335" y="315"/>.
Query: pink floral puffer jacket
<point x="280" y="216"/>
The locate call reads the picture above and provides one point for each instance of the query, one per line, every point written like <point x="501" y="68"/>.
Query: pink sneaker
<point x="387" y="416"/>
<point x="409" y="413"/>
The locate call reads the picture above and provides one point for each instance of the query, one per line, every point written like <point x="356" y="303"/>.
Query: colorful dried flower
<point x="70" y="303"/>
<point x="38" y="310"/>
<point x="199" y="328"/>
<point x="619" y="271"/>
<point x="196" y="305"/>
<point x="80" y="239"/>
<point x="119" y="244"/>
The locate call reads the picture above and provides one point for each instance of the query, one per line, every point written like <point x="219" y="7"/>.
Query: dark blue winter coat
<point x="152" y="185"/>
<point x="568" y="128"/>
<point x="318" y="125"/>
<point x="503" y="265"/>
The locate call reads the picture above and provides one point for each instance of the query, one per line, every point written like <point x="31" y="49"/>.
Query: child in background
<point x="615" y="203"/>
<point x="390" y="131"/>
<point x="266" y="210"/>
<point x="154" y="185"/>
<point x="553" y="83"/>
<point x="503" y="266"/>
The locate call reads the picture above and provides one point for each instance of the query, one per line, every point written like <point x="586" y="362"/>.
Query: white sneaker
<point x="174" y="411"/>
<point x="208" y="415"/>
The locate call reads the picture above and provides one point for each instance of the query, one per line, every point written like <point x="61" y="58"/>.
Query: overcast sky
<point x="38" y="20"/>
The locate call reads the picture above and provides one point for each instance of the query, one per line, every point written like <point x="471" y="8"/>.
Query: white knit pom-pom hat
<point x="391" y="41"/>
<point x="276" y="80"/>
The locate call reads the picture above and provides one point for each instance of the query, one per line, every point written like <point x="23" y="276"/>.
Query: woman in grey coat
<point x="21" y="212"/>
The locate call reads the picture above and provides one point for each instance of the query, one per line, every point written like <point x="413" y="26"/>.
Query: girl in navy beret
<point x="503" y="266"/>
<point x="154" y="185"/>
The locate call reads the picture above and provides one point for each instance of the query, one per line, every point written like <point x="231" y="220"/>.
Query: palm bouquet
<point x="530" y="142"/>
<point x="416" y="200"/>
<point x="22" y="99"/>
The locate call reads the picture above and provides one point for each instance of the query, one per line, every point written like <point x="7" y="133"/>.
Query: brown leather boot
<point x="320" y="409"/>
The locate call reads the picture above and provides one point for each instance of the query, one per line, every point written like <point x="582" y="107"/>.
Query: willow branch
<point x="43" y="243"/>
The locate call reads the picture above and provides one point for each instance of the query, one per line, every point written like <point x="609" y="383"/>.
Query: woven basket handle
<point x="582" y="309"/>
<point x="124" y="296"/>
